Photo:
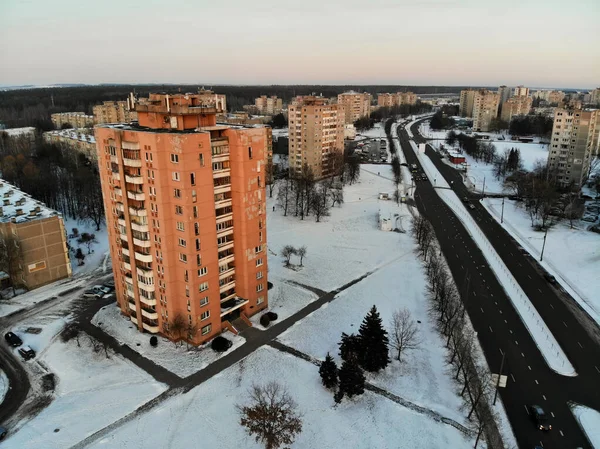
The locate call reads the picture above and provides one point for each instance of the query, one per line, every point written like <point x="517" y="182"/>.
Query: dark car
<point x="26" y="352"/>
<point x="539" y="417"/>
<point x="550" y="278"/>
<point x="3" y="433"/>
<point x="13" y="339"/>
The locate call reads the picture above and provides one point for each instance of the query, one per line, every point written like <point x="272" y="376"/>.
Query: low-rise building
<point x="80" y="140"/>
<point x="396" y="99"/>
<point x="268" y="105"/>
<point x="74" y="119"/>
<point x="355" y="104"/>
<point x="518" y="105"/>
<point x="40" y="240"/>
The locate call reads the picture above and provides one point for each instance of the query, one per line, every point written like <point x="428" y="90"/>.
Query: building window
<point x="198" y="260"/>
<point x="201" y="160"/>
<point x="205" y="315"/>
<point x="259" y="262"/>
<point x="258" y="180"/>
<point x="260" y="236"/>
<point x="180" y="226"/>
<point x="203" y="287"/>
<point x="182" y="242"/>
<point x="259" y="288"/>
<point x="175" y="158"/>
<point x="202" y="271"/>
<point x="36" y="266"/>
<point x="203" y="301"/>
<point x="177" y="193"/>
<point x="249" y="152"/>
<point x="206" y="329"/>
<point x="258" y="249"/>
<point x="179" y="210"/>
<point x="183" y="257"/>
<point x="259" y="275"/>
<point x="175" y="176"/>
<point x="187" y="295"/>
<point x="185" y="275"/>
<point x="195" y="211"/>
<point x="193" y="179"/>
<point x="260" y="300"/>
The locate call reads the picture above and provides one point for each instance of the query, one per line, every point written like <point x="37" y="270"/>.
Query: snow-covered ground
<point x="100" y="254"/>
<point x="208" y="413"/>
<point x="377" y="132"/>
<point x="285" y="300"/>
<point x="177" y="359"/>
<point x="589" y="420"/>
<point x="4" y="385"/>
<point x="92" y="392"/>
<point x="571" y="255"/>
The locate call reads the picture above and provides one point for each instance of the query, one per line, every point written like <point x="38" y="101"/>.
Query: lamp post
<point x="502" y="214"/>
<point x="483" y="190"/>
<point x="543" y="245"/>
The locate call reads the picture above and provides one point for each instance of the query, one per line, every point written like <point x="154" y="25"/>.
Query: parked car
<point x="539" y="417"/>
<point x="97" y="291"/>
<point x="102" y="289"/>
<point x="3" y="433"/>
<point x="550" y="278"/>
<point x="13" y="339"/>
<point x="26" y="352"/>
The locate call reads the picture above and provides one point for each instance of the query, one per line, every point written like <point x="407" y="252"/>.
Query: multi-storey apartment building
<point x="355" y="104"/>
<point x="485" y="109"/>
<point x="555" y="97"/>
<point x="467" y="98"/>
<point x="115" y="111"/>
<point x="504" y="93"/>
<point x="185" y="210"/>
<point x="75" y="119"/>
<point x="80" y="140"/>
<point x="268" y="105"/>
<point x="595" y="96"/>
<point x="39" y="234"/>
<point x="518" y="105"/>
<point x="208" y="97"/>
<point x="521" y="91"/>
<point x="575" y="139"/>
<point x="316" y="135"/>
<point x="397" y="99"/>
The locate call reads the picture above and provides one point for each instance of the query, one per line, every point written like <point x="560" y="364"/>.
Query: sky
<point x="537" y="43"/>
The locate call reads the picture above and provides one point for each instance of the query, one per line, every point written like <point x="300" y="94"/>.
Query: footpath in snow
<point x="549" y="347"/>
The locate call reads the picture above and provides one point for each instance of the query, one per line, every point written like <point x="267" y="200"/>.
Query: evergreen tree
<point x="374" y="342"/>
<point x="350" y="347"/>
<point x="329" y="372"/>
<point x="352" y="380"/>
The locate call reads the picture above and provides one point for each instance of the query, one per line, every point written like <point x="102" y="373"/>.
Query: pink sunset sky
<point x="539" y="43"/>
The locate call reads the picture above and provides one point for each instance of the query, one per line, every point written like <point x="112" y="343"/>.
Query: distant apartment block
<point x="485" y="109"/>
<point x="595" y="96"/>
<point x="185" y="210"/>
<point x="75" y="119"/>
<point x="521" y="91"/>
<point x="518" y="105"/>
<point x="355" y="104"/>
<point x="242" y="118"/>
<point x="467" y="98"/>
<point x="79" y="140"/>
<point x="115" y="111"/>
<point x="209" y="98"/>
<point x="575" y="139"/>
<point x="40" y="235"/>
<point x="396" y="99"/>
<point x="268" y="105"/>
<point x="504" y="92"/>
<point x="316" y="135"/>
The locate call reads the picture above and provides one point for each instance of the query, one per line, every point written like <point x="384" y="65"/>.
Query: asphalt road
<point x="500" y="329"/>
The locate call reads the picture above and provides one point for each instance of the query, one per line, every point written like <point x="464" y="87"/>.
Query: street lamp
<point x="544" y="245"/>
<point x="502" y="214"/>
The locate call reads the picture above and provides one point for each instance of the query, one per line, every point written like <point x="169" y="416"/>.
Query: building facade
<point x="485" y="109"/>
<point x="39" y="233"/>
<point x="316" y="135"/>
<point x="397" y="99"/>
<point x="355" y="104"/>
<point x="268" y="105"/>
<point x="521" y="91"/>
<point x="185" y="210"/>
<point x="505" y="93"/>
<point x="575" y="140"/>
<point x="595" y="97"/>
<point x="467" y="98"/>
<point x="209" y="98"/>
<point x="518" y="105"/>
<point x="115" y="111"/>
<point x="75" y="119"/>
<point x="79" y="140"/>
<point x="555" y="97"/>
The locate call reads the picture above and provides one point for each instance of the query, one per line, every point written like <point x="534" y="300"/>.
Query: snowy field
<point x="179" y="360"/>
<point x="571" y="255"/>
<point x="208" y="414"/>
<point x="92" y="392"/>
<point x="285" y="300"/>
<point x="421" y="377"/>
<point x="377" y="132"/>
<point x="4" y="385"/>
<point x="589" y="420"/>
<point x="101" y="252"/>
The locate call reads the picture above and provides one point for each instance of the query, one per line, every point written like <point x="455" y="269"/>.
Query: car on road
<point x="550" y="278"/>
<point x="26" y="352"/>
<point x="471" y="206"/>
<point x="3" y="432"/>
<point x="92" y="294"/>
<point x="13" y="339"/>
<point x="539" y="417"/>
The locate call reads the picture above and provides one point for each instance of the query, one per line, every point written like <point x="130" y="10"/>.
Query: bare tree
<point x="319" y="203"/>
<point x="301" y="253"/>
<point x="272" y="416"/>
<point x="404" y="334"/>
<point x="337" y="195"/>
<point x="284" y="194"/>
<point x="88" y="240"/>
<point x="70" y="331"/>
<point x="11" y="258"/>
<point x="177" y="327"/>
<point x="191" y="331"/>
<point x="287" y="252"/>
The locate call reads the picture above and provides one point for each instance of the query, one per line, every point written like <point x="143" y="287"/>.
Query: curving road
<point x="500" y="329"/>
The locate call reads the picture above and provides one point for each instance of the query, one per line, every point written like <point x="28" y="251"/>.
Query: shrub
<point x="153" y="341"/>
<point x="269" y="285"/>
<point x="220" y="344"/>
<point x="272" y="316"/>
<point x="265" y="320"/>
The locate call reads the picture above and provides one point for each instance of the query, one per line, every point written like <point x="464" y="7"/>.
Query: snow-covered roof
<point x="74" y="134"/>
<point x="20" y="206"/>
<point x="14" y="132"/>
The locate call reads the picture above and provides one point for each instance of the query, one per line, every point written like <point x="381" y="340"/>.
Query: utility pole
<point x="502" y="215"/>
<point x="483" y="191"/>
<point x="543" y="245"/>
<point x="498" y="381"/>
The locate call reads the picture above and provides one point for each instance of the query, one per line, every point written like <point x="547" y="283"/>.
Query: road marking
<point x="544" y="396"/>
<point x="551" y="306"/>
<point x="597" y="369"/>
<point x="517" y="343"/>
<point x="529" y="367"/>
<point x="540" y="290"/>
<point x="513" y="378"/>
<point x="491" y="294"/>
<point x="565" y="324"/>
<point x="505" y="322"/>
<point x="481" y="309"/>
<point x="496" y="302"/>
<point x="500" y="311"/>
<point x="490" y="328"/>
<point x="510" y="331"/>
<point x="500" y="349"/>
<point x="580" y="345"/>
<point x="561" y="433"/>
<point x="536" y="382"/>
<point x="522" y="355"/>
<point x="529" y="277"/>
<point x="474" y="294"/>
<point x="552" y="413"/>
<point x="526" y="409"/>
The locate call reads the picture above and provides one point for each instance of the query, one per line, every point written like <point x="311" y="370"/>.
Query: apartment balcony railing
<point x="138" y="212"/>
<point x="116" y="176"/>
<point x="134" y="320"/>
<point x="121" y="220"/>
<point x="139" y="227"/>
<point x="224" y="217"/>
<point x="225" y="232"/>
<point x="142" y="243"/>
<point x="136" y="195"/>
<point x="147" y="258"/>
<point x="149" y="313"/>
<point x="227" y="296"/>
<point x="147" y="287"/>
<point x="222" y="188"/>
<point x="118" y="191"/>
<point x="127" y="266"/>
<point x="132" y="306"/>
<point x="129" y="280"/>
<point x="123" y="236"/>
<point x="120" y="207"/>
<point x="227" y="286"/>
<point x="232" y="304"/>
<point x="135" y="163"/>
<point x="229" y="272"/>
<point x="221" y="173"/>
<point x="152" y="328"/>
<point x="221" y="157"/>
<point x="134" y="179"/>
<point x="223" y="203"/>
<point x="146" y="301"/>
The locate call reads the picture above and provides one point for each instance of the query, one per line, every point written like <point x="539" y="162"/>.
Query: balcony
<point x="142" y="243"/>
<point x="221" y="173"/>
<point x="227" y="296"/>
<point x="121" y="221"/>
<point x="134" y="320"/>
<point x="118" y="191"/>
<point x="125" y="251"/>
<point x="127" y="266"/>
<point x="135" y="163"/>
<point x="221" y="157"/>
<point x="227" y="286"/>
<point x="146" y="301"/>
<point x="150" y="288"/>
<point x="120" y="207"/>
<point x="136" y="195"/>
<point x="232" y="304"/>
<point x="129" y="280"/>
<point x="150" y="314"/>
<point x="222" y="188"/>
<point x="152" y="328"/>
<point x="139" y="227"/>
<point x="229" y="272"/>
<point x="226" y="259"/>
<point x="225" y="232"/>
<point x="138" y="212"/>
<point x="116" y="176"/>
<point x="223" y="203"/>
<point x="147" y="258"/>
<point x="134" y="179"/>
<point x="123" y="237"/>
<point x="132" y="306"/>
